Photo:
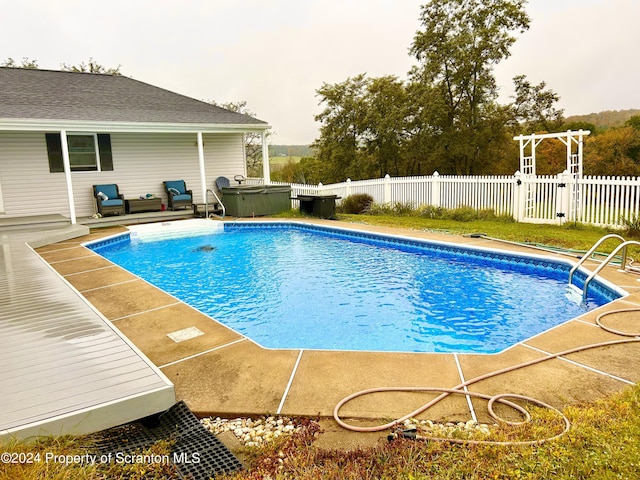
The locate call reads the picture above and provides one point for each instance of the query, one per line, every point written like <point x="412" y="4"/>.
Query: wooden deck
<point x="65" y="368"/>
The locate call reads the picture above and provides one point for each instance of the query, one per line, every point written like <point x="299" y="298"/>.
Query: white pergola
<point x="569" y="138"/>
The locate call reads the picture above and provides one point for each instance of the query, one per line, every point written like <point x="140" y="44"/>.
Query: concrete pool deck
<point x="222" y="373"/>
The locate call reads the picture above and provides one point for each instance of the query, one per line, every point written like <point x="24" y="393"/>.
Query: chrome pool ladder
<point x="623" y="262"/>
<point x="219" y="212"/>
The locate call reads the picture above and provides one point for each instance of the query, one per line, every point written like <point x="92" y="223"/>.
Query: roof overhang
<point x="42" y="125"/>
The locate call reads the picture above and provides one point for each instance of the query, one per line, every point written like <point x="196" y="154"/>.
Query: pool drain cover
<point x="197" y="453"/>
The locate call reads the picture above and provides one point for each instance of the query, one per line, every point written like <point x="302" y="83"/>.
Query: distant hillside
<point x="290" y="151"/>
<point x="606" y="119"/>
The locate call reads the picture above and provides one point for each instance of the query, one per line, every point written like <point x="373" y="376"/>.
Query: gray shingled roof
<point x="55" y="95"/>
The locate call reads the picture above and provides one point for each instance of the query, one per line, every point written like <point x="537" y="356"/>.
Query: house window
<point x="83" y="152"/>
<point x="87" y="152"/>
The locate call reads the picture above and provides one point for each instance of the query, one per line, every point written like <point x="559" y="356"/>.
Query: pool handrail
<point x="587" y="255"/>
<point x="206" y="205"/>
<point x="605" y="262"/>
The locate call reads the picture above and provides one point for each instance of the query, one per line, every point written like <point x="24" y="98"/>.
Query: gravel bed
<point x="253" y="432"/>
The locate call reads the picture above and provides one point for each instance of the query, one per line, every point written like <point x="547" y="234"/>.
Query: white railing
<point x="602" y="201"/>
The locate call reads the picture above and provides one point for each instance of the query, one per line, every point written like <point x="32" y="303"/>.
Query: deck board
<point x="65" y="369"/>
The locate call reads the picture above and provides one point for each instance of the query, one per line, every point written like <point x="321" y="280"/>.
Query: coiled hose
<point x="502" y="398"/>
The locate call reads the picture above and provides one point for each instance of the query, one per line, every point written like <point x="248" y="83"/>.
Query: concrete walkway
<point x="223" y="373"/>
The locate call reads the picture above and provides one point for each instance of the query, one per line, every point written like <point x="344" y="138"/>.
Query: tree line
<point x="444" y="116"/>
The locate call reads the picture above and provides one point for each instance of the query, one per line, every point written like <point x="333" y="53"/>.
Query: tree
<point x="91" y="67"/>
<point x="457" y="48"/>
<point x="26" y="63"/>
<point x="339" y="147"/>
<point x="613" y="152"/>
<point x="533" y="107"/>
<point x="252" y="140"/>
<point x="579" y="125"/>
<point x="634" y="122"/>
<point x="384" y="125"/>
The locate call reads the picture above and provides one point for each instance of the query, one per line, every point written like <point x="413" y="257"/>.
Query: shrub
<point x="429" y="211"/>
<point x="631" y="226"/>
<point x="462" y="214"/>
<point x="397" y="209"/>
<point x="356" y="204"/>
<point x="468" y="214"/>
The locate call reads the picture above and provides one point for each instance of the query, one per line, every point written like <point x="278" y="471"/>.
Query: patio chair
<point x="222" y="182"/>
<point x="177" y="194"/>
<point x="108" y="199"/>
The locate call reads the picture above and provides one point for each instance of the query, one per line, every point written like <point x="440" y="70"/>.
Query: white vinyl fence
<point x="602" y="201"/>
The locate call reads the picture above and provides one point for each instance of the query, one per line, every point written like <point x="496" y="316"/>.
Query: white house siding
<point x="141" y="162"/>
<point x="27" y="186"/>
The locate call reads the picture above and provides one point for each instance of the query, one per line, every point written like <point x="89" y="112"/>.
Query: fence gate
<point x="543" y="199"/>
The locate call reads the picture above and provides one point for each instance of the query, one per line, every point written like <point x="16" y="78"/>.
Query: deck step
<point x="34" y="222"/>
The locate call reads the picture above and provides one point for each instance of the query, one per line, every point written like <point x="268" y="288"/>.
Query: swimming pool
<point x="295" y="285"/>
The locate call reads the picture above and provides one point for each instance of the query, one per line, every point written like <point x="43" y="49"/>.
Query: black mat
<point x="197" y="453"/>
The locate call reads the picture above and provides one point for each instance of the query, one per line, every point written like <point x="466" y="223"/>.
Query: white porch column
<point x="67" y="174"/>
<point x="266" y="173"/>
<point x="203" y="177"/>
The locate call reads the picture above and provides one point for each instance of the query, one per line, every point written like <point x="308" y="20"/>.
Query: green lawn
<point x="569" y="236"/>
<point x="281" y="161"/>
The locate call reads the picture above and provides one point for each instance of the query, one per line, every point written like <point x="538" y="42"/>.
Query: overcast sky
<point x="275" y="54"/>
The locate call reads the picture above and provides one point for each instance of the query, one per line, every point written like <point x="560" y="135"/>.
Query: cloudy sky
<point x="275" y="54"/>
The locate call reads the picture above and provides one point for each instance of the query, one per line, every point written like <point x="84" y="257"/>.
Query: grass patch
<point x="570" y="236"/>
<point x="602" y="443"/>
<point x="69" y="457"/>
<point x="281" y="161"/>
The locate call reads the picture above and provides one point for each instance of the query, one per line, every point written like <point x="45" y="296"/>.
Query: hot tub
<point x="256" y="200"/>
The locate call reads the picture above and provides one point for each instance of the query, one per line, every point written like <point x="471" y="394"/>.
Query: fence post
<point x="563" y="205"/>
<point x="387" y="189"/>
<point x="348" y="188"/>
<point x="518" y="197"/>
<point x="435" y="189"/>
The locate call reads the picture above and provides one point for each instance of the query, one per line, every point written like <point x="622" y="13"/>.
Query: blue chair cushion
<point x="181" y="197"/>
<point x="177" y="185"/>
<point x="109" y="190"/>
<point x="112" y="203"/>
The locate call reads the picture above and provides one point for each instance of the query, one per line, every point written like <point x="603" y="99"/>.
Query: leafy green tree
<point x="25" y="63"/>
<point x="533" y="107"/>
<point x="634" y="122"/>
<point x="459" y="44"/>
<point x="91" y="67"/>
<point x="575" y="126"/>
<point x="613" y="152"/>
<point x="445" y="116"/>
<point x="384" y="127"/>
<point x="341" y="130"/>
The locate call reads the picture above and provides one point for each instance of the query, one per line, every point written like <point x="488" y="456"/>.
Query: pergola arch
<point x="569" y="138"/>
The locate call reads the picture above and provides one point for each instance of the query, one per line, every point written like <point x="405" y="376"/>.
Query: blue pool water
<point x="291" y="286"/>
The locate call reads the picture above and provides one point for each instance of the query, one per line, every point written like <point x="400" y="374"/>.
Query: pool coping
<point x="221" y="373"/>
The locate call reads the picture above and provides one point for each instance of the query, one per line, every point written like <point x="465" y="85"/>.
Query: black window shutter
<point x="54" y="151"/>
<point x="104" y="147"/>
